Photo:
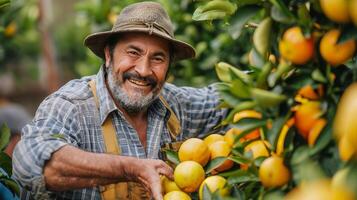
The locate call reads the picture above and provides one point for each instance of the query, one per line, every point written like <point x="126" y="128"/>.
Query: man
<point x="68" y="152"/>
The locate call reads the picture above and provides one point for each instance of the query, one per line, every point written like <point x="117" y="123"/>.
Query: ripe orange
<point x="230" y="135"/>
<point x="334" y="53"/>
<point x="258" y="148"/>
<point x="221" y="149"/>
<point x="353" y="10"/>
<point x="273" y="172"/>
<point x="215" y="183"/>
<point x="168" y="185"/>
<point x="10" y="30"/>
<point x="248" y="114"/>
<point x="177" y="195"/>
<point x="308" y="92"/>
<point x="345" y="120"/>
<point x="320" y="189"/>
<point x="295" y="47"/>
<point x="189" y="175"/>
<point x="336" y="10"/>
<point x="345" y="149"/>
<point x="194" y="149"/>
<point x="315" y="131"/>
<point x="213" y="138"/>
<point x="305" y="117"/>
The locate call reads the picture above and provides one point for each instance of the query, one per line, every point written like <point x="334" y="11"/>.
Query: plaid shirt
<point x="70" y="116"/>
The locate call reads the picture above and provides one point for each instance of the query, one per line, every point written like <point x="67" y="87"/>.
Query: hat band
<point x="139" y="24"/>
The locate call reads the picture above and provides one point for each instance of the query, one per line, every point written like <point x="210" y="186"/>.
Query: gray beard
<point x="134" y="103"/>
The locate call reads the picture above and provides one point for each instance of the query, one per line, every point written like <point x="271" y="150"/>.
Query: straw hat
<point x="148" y="17"/>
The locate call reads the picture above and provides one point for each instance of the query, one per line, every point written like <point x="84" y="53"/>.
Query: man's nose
<point x="143" y="67"/>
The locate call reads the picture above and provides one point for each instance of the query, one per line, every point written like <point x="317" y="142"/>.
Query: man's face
<point x="137" y="70"/>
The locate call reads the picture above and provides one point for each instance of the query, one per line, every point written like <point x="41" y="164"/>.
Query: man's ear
<point x="107" y="56"/>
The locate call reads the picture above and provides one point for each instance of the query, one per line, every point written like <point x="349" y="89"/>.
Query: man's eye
<point x="158" y="59"/>
<point x="133" y="53"/>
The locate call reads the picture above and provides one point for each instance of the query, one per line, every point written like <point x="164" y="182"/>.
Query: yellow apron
<point x="130" y="190"/>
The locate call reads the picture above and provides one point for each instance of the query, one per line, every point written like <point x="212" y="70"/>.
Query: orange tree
<point x="300" y="59"/>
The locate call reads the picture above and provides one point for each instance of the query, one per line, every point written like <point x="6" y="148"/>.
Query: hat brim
<point x="97" y="41"/>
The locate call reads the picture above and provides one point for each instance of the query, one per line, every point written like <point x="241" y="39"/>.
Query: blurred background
<point x="41" y="45"/>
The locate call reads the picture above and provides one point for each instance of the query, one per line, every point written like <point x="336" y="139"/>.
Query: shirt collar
<point x="106" y="102"/>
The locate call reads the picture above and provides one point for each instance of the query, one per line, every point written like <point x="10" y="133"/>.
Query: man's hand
<point x="147" y="172"/>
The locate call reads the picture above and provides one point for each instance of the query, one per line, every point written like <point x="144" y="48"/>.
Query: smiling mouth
<point x="139" y="82"/>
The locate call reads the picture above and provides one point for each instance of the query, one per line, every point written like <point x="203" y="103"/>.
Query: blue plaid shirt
<point x="70" y="116"/>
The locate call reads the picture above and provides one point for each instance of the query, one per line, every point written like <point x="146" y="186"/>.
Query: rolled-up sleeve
<point x="54" y="126"/>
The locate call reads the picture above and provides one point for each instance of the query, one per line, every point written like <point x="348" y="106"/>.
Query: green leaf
<point x="172" y="156"/>
<point x="249" y="124"/>
<point x="206" y="193"/>
<point x="240" y="89"/>
<point x="317" y="75"/>
<point x="4" y="136"/>
<point x="242" y="176"/>
<point x="256" y="59"/>
<point x="239" y="159"/>
<point x="4" y="3"/>
<point x="263" y="75"/>
<point x="307" y="171"/>
<point x="348" y="33"/>
<point x="281" y="13"/>
<point x="215" y="163"/>
<point x="261" y="36"/>
<point x="243" y="15"/>
<point x="274" y="195"/>
<point x="198" y="15"/>
<point x="12" y="185"/>
<point x="228" y="98"/>
<point x="323" y="140"/>
<point x="5" y="163"/>
<point x="265" y="98"/>
<point x="239" y="107"/>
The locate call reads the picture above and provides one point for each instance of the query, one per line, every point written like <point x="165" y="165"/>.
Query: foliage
<point x="271" y="85"/>
<point x="5" y="162"/>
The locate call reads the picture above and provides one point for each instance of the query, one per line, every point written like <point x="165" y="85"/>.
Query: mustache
<point x="149" y="79"/>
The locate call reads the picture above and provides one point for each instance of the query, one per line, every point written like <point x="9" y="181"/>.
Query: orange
<point x="221" y="149"/>
<point x="308" y="92"/>
<point x="10" y="29"/>
<point x="258" y="148"/>
<point x="194" y="149"/>
<point x="353" y="10"/>
<point x="315" y="131"/>
<point x="230" y="135"/>
<point x="336" y="10"/>
<point x="189" y="175"/>
<point x="345" y="149"/>
<point x="177" y="195"/>
<point x="295" y="47"/>
<point x="333" y="53"/>
<point x="319" y="190"/>
<point x="305" y="117"/>
<point x="248" y="114"/>
<point x="273" y="172"/>
<point x="168" y="185"/>
<point x="215" y="183"/>
<point x="213" y="138"/>
<point x="345" y="120"/>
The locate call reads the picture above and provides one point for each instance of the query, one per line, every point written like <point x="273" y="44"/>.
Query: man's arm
<point x="72" y="168"/>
